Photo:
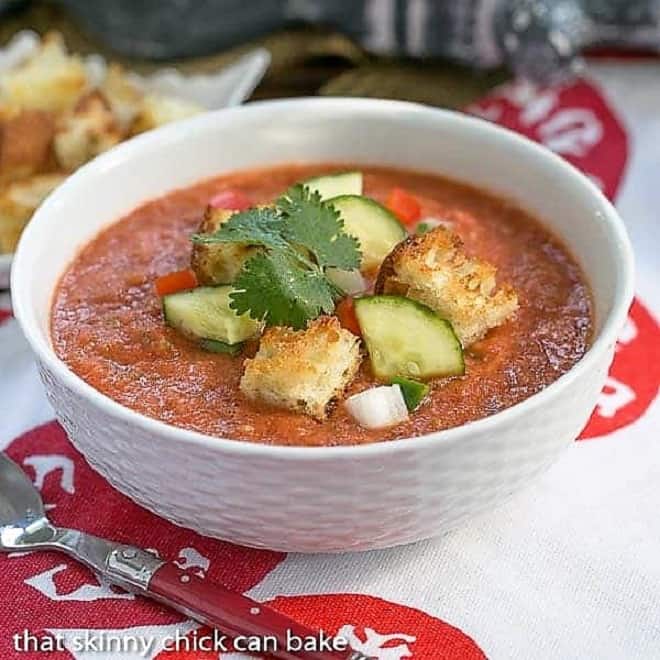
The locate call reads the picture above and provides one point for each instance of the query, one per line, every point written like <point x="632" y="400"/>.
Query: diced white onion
<point x="378" y="407"/>
<point x="349" y="281"/>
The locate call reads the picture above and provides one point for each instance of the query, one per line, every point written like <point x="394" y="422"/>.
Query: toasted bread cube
<point x="220" y="263"/>
<point x="89" y="129"/>
<point x="124" y="95"/>
<point x="158" y="109"/>
<point x="303" y="370"/>
<point x="18" y="201"/>
<point x="50" y="79"/>
<point x="12" y="222"/>
<point x="433" y="269"/>
<point x="26" y="139"/>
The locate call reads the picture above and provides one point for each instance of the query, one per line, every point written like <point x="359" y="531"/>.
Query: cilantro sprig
<point x="258" y="226"/>
<point x="317" y="226"/>
<point x="285" y="283"/>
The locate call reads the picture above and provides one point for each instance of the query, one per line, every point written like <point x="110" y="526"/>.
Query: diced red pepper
<point x="235" y="200"/>
<point x="404" y="206"/>
<point x="345" y="312"/>
<point x="179" y="280"/>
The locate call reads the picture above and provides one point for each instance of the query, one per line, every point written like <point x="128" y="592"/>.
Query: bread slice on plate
<point x="18" y="201"/>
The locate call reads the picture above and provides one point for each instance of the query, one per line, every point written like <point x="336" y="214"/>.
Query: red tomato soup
<point x="107" y="321"/>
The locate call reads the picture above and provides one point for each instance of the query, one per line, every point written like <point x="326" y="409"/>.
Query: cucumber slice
<point x="373" y="225"/>
<point x="413" y="391"/>
<point x="332" y="185"/>
<point x="215" y="346"/>
<point x="406" y="338"/>
<point x="204" y="313"/>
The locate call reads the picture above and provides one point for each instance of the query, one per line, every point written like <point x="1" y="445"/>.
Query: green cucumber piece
<point x="406" y="338"/>
<point x="413" y="391"/>
<point x="332" y="185"/>
<point x="204" y="313"/>
<point x="215" y="346"/>
<point x="373" y="225"/>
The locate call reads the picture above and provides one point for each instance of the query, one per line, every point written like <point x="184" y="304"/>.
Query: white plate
<point x="5" y="267"/>
<point x="227" y="87"/>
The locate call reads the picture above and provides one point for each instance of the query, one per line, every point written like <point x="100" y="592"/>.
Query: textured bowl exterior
<point x="331" y="503"/>
<point x="336" y="498"/>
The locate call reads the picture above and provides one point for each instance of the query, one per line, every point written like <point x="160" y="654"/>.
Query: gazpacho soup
<point x="322" y="305"/>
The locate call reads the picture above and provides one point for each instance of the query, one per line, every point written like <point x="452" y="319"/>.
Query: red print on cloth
<point x="573" y="120"/>
<point x="378" y="628"/>
<point x="42" y="591"/>
<point x="634" y="377"/>
<point x="381" y="629"/>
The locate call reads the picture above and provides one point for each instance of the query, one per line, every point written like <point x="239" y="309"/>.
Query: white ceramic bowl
<point x="335" y="498"/>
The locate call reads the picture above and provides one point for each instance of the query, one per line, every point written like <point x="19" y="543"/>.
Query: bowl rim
<point x="607" y="336"/>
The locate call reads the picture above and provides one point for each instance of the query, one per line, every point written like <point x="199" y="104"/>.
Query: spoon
<point x="24" y="526"/>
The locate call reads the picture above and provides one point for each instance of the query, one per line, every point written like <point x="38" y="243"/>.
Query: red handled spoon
<point x="24" y="526"/>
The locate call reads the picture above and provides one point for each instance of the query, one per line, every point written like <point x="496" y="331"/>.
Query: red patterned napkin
<point x="569" y="568"/>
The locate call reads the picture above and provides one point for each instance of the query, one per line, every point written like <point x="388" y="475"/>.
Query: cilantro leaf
<point x="285" y="282"/>
<point x="274" y="288"/>
<point x="318" y="227"/>
<point x="257" y="226"/>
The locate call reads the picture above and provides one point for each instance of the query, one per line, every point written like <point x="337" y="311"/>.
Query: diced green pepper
<point x="215" y="346"/>
<point x="413" y="391"/>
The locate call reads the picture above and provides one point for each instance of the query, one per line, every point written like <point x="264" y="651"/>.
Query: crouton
<point x="89" y="129"/>
<point x="18" y="201"/>
<point x="220" y="263"/>
<point x="157" y="109"/>
<point x="123" y="94"/>
<point x="13" y="218"/>
<point x="304" y="370"/>
<point x="433" y="269"/>
<point x="50" y="79"/>
<point x="26" y="139"/>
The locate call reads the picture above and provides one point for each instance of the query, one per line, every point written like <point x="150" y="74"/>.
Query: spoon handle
<point x="237" y="615"/>
<point x="232" y="613"/>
